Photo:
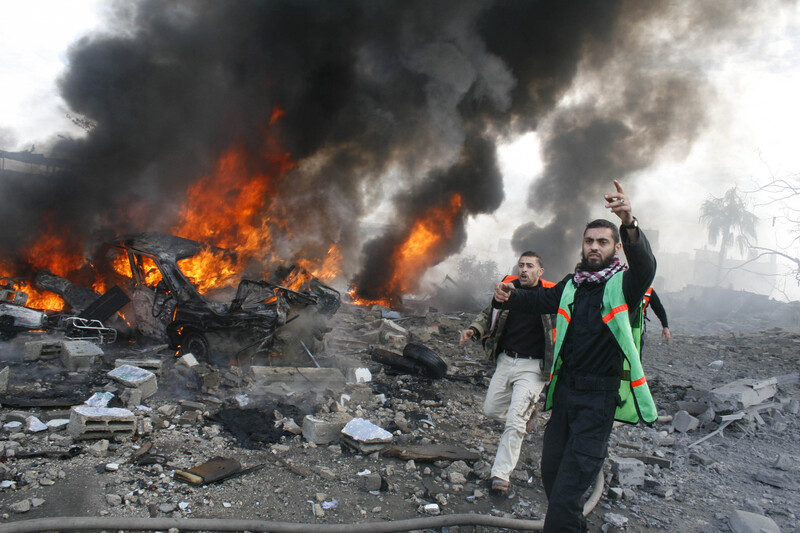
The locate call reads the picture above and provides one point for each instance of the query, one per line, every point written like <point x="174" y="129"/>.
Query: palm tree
<point x="728" y="221"/>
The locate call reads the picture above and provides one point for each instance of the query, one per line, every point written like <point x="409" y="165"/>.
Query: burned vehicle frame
<point x="220" y="326"/>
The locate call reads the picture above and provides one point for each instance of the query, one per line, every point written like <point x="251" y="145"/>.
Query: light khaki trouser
<point x="512" y="395"/>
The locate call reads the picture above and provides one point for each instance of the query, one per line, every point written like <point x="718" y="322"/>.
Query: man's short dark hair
<point x="530" y="253"/>
<point x="603" y="223"/>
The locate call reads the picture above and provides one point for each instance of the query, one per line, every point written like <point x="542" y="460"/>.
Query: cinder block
<point x="100" y="422"/>
<point x="325" y="430"/>
<point x="135" y="377"/>
<point x="628" y="471"/>
<point x="35" y="350"/>
<point x="79" y="355"/>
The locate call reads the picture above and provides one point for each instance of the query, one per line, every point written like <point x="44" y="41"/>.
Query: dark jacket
<point x="590" y="347"/>
<point x="490" y="331"/>
<point x="654" y="302"/>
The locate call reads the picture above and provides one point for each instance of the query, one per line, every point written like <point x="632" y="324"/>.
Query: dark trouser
<point x="575" y="446"/>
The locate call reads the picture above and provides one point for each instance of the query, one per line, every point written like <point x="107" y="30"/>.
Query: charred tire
<point x="427" y="362"/>
<point x="195" y="343"/>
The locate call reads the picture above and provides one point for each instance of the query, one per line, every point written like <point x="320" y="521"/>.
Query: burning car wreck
<point x="163" y="293"/>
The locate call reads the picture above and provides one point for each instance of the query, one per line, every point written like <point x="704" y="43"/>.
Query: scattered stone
<point x="34" y="425"/>
<point x="701" y="458"/>
<point x="616" y="520"/>
<point x="683" y="422"/>
<point x="371" y="482"/>
<point x="776" y="480"/>
<point x="786" y="462"/>
<point x="431" y="508"/>
<point x="21" y="507"/>
<point x="745" y="522"/>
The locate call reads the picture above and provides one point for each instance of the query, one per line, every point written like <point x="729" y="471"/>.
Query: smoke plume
<point x="361" y="104"/>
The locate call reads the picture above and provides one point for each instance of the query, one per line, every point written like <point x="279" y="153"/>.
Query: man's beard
<point x="586" y="266"/>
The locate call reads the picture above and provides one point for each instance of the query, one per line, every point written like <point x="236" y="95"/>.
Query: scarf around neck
<point x="580" y="277"/>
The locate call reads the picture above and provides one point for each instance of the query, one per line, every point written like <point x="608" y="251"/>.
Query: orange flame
<point x="329" y="268"/>
<point x="208" y="270"/>
<point x="228" y="209"/>
<point x="419" y="251"/>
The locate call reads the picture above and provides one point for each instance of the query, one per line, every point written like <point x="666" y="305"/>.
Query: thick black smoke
<point x="403" y="99"/>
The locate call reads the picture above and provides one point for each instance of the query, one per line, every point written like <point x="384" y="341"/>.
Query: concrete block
<point x="100" y="422"/>
<point x="371" y="482"/>
<point x="79" y="355"/>
<point x="744" y="522"/>
<point x="299" y="378"/>
<point x="628" y="471"/>
<point x="137" y="378"/>
<point x="188" y="360"/>
<point x="684" y="422"/>
<point x="324" y="430"/>
<point x="36" y="350"/>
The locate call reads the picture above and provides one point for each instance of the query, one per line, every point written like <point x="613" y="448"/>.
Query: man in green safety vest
<point x="597" y="375"/>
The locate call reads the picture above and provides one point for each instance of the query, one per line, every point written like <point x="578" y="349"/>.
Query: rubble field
<point x="358" y="441"/>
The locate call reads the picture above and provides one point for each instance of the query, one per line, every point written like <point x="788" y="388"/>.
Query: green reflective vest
<point x="637" y="402"/>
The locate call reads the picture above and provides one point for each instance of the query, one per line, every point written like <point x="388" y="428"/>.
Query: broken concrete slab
<point x="742" y="393"/>
<point x="304" y="378"/>
<point x="431" y="452"/>
<point x="363" y="430"/>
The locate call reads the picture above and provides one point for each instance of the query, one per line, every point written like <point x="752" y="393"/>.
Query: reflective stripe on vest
<point x="637" y="402"/>
<point x="646" y="299"/>
<point x="614" y="312"/>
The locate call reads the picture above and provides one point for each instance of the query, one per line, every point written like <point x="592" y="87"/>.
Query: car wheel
<point x="195" y="343"/>
<point x="429" y="364"/>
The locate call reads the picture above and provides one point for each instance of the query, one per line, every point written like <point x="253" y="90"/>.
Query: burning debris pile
<point x="164" y="298"/>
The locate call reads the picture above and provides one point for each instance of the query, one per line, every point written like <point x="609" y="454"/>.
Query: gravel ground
<point x="752" y="465"/>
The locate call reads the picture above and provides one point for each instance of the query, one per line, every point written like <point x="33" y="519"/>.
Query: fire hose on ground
<point x="224" y="524"/>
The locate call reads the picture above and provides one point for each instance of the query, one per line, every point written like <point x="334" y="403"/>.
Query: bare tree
<point x="783" y="198"/>
<point x="728" y="220"/>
